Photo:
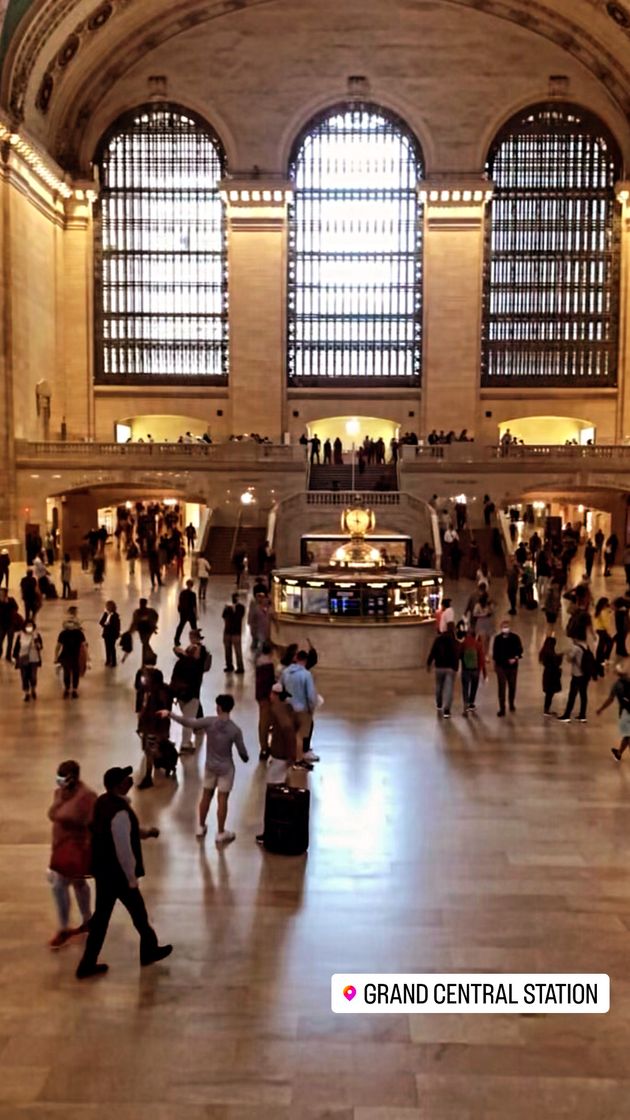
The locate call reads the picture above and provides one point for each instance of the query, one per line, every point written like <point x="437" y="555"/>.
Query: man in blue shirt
<point x="299" y="684"/>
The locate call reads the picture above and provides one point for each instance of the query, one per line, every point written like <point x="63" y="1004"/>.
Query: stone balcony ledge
<point x="187" y="455"/>
<point x="444" y="456"/>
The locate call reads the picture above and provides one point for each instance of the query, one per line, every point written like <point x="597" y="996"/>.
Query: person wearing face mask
<point x="71" y="813"/>
<point x="117" y="866"/>
<point x="507" y="650"/>
<point x="27" y="654"/>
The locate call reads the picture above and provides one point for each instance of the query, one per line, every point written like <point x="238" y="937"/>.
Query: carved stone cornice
<point x="256" y="203"/>
<point x="460" y="191"/>
<point x="32" y="172"/>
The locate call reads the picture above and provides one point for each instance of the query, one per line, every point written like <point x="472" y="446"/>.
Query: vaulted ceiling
<point x="61" y="58"/>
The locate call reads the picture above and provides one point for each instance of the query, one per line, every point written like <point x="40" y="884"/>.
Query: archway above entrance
<point x="352" y="430"/>
<point x="160" y="428"/>
<point x="549" y="429"/>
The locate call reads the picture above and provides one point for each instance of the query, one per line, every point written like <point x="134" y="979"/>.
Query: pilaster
<point x="257" y="233"/>
<point x="75" y="312"/>
<point x="622" y="427"/>
<point x="454" y="211"/>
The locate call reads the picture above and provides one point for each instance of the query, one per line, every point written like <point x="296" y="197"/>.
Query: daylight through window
<point x="552" y="257"/>
<point x="161" y="267"/>
<point x="355" y="251"/>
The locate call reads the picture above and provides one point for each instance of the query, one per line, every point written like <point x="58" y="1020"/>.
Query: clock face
<point x="357" y="521"/>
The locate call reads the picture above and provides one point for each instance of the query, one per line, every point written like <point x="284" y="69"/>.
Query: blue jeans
<point x="61" y="894"/>
<point x="444" y="681"/>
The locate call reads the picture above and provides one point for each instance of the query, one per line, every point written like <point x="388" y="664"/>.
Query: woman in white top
<point x="482" y="614"/>
<point x="27" y="653"/>
<point x="203" y="572"/>
<point x="483" y="575"/>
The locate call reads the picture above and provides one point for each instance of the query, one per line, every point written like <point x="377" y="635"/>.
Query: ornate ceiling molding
<point x="129" y="45"/>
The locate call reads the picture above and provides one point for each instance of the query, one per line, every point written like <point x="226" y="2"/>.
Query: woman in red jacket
<point x="71" y="813"/>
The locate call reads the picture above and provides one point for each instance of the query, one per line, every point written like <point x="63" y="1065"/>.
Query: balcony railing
<point x="234" y="451"/>
<point x="438" y="457"/>
<point x="455" y="453"/>
<point x="348" y="497"/>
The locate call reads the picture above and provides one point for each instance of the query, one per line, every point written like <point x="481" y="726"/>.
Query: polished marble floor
<point x="435" y="846"/>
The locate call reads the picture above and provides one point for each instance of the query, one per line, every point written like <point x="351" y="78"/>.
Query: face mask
<point x="505" y="629"/>
<point x="28" y="630"/>
<point x="63" y="780"/>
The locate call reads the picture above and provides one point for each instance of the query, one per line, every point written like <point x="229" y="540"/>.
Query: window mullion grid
<point x="163" y="273"/>
<point x="349" y="247"/>
<point x="561" y="299"/>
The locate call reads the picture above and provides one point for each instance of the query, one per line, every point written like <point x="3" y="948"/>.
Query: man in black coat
<point x="186" y="682"/>
<point x="30" y="594"/>
<point x="117" y="866"/>
<point x="110" y="628"/>
<point x="8" y="621"/>
<point x="507" y="650"/>
<point x="187" y="610"/>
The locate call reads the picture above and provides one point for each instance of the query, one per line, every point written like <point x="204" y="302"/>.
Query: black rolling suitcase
<point x="286" y="820"/>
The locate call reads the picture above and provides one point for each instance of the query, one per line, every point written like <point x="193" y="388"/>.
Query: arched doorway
<point x="159" y="428"/>
<point x="352" y="430"/>
<point x="549" y="429"/>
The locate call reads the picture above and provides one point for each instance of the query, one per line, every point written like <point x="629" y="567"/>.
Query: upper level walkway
<point x="441" y="460"/>
<point x="188" y="456"/>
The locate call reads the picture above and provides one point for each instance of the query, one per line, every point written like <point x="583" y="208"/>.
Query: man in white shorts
<point x="221" y="735"/>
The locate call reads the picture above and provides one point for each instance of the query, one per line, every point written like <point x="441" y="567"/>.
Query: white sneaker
<point x="201" y="830"/>
<point x="310" y="756"/>
<point x="225" y="837"/>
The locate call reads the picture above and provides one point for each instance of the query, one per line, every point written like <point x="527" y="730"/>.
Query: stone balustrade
<point x="98" y="454"/>
<point x="439" y="456"/>
<point x="350" y="497"/>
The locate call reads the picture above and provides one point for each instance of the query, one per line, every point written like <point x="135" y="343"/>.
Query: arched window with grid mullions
<point x="551" y="284"/>
<point x="355" y="251"/>
<point x="160" y="251"/>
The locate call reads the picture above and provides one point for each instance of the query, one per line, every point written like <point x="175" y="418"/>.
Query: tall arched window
<point x="160" y="251"/>
<point x="354" y="282"/>
<point x="551" y="284"/>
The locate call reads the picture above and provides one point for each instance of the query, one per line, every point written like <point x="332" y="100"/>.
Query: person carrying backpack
<point x="583" y="671"/>
<point x="620" y="691"/>
<point x="471" y="652"/>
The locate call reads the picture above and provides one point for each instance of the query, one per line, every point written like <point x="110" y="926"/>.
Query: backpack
<point x="165" y="757"/>
<point x="588" y="665"/>
<point x="470" y="657"/>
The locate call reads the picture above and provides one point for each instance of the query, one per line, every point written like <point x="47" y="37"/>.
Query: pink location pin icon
<point x="349" y="992"/>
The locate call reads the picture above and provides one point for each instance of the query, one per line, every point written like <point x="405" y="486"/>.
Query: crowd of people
<point x="368" y="453"/>
<point x="101" y="837"/>
<point x="538" y="578"/>
<point x="184" y="437"/>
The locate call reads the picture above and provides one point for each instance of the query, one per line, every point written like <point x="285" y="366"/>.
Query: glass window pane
<point x="552" y="257"/>
<point x="355" y="229"/>
<point x="161" y="283"/>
